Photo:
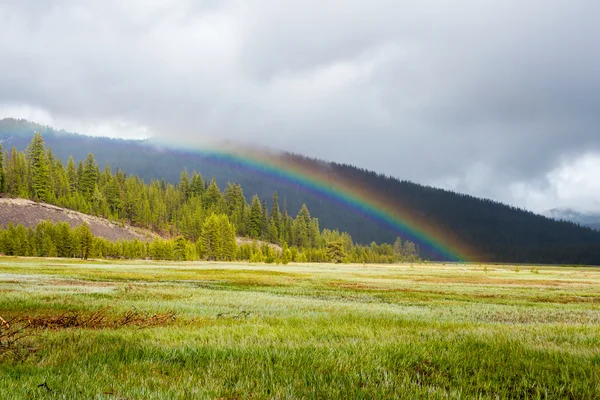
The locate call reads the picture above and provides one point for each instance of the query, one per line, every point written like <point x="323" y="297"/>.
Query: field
<point x="144" y="330"/>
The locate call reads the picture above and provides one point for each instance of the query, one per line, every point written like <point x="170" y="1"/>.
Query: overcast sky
<point x="498" y="98"/>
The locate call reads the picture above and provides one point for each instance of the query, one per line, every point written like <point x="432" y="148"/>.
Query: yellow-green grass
<point x="303" y="331"/>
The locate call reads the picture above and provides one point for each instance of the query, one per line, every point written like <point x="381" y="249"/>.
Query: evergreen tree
<point x="38" y="167"/>
<point x="212" y="239"/>
<point x="255" y="223"/>
<point x="228" y="237"/>
<point x="302" y="227"/>
<point x="79" y="176"/>
<point x="84" y="240"/>
<point x="275" y="219"/>
<point x="335" y="251"/>
<point x="179" y="248"/>
<point x="184" y="184"/>
<point x="197" y="186"/>
<point x="213" y="196"/>
<point x="87" y="181"/>
<point x="235" y="205"/>
<point x="72" y="175"/>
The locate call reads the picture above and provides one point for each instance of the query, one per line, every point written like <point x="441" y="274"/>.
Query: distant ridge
<point x="591" y="220"/>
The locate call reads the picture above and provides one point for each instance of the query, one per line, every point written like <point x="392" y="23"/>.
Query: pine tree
<point x="272" y="234"/>
<point x="254" y="225"/>
<point x="184" y="183"/>
<point x="276" y="219"/>
<point x="88" y="178"/>
<point x="79" y="176"/>
<point x="72" y="175"/>
<point x="197" y="186"/>
<point x="16" y="174"/>
<point x="212" y="239"/>
<point x="335" y="251"/>
<point x="84" y="240"/>
<point x="235" y="204"/>
<point x="229" y="241"/>
<point x="302" y="228"/>
<point x="38" y="167"/>
<point x="179" y="248"/>
<point x="213" y="196"/>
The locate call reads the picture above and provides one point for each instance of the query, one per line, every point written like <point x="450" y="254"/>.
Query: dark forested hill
<point x="497" y="231"/>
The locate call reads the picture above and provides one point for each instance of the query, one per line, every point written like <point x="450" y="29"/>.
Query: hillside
<point x="498" y="232"/>
<point x="29" y="214"/>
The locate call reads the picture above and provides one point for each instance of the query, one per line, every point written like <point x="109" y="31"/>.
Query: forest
<point x="194" y="218"/>
<point x="499" y="232"/>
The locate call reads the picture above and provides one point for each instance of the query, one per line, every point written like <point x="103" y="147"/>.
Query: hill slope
<point x="498" y="232"/>
<point x="30" y="214"/>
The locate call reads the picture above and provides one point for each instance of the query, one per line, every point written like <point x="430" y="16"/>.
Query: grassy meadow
<point x="150" y="330"/>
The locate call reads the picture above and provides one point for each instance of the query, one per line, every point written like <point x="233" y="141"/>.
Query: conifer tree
<point x="89" y="177"/>
<point x="229" y="241"/>
<point x="213" y="196"/>
<point x="335" y="251"/>
<point x="197" y="186"/>
<point x="79" y="176"/>
<point x="72" y="175"/>
<point x="179" y="248"/>
<point x="84" y="240"/>
<point x="38" y="167"/>
<point x="212" y="239"/>
<point x="276" y="218"/>
<point x="233" y="197"/>
<point x="16" y="174"/>
<point x="302" y="227"/>
<point x="255" y="223"/>
<point x="184" y="183"/>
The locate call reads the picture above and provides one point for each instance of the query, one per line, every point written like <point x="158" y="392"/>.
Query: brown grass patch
<point x="355" y="285"/>
<point x="99" y="319"/>
<point x="568" y="299"/>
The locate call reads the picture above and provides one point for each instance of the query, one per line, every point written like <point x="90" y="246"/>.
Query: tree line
<point x="199" y="220"/>
<point x="217" y="242"/>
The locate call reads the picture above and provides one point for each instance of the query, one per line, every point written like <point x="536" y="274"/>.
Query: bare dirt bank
<point x="29" y="214"/>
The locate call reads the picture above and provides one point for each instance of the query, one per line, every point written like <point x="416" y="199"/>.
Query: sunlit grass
<point x="304" y="331"/>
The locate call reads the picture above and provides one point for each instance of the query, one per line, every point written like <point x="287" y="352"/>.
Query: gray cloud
<point x="491" y="98"/>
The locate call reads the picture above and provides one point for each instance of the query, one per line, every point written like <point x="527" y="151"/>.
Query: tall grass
<point x="302" y="331"/>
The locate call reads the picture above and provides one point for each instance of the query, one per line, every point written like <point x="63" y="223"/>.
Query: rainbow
<point x="322" y="181"/>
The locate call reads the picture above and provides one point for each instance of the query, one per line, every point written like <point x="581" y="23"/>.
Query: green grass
<point x="303" y="331"/>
